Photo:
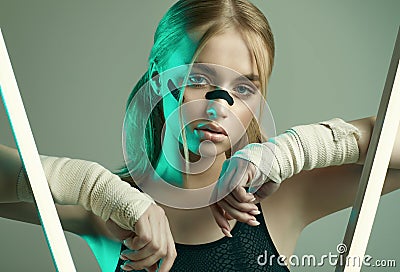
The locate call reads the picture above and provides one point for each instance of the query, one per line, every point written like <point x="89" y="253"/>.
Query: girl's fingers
<point x="160" y="245"/>
<point x="168" y="261"/>
<point x="152" y="268"/>
<point x="147" y="262"/>
<point x="219" y="217"/>
<point x="238" y="215"/>
<point x="137" y="255"/>
<point x="153" y="251"/>
<point x="147" y="250"/>
<point x="228" y="216"/>
<point x="241" y="195"/>
<point x="240" y="206"/>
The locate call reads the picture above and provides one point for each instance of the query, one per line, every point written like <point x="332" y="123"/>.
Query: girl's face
<point x="215" y="122"/>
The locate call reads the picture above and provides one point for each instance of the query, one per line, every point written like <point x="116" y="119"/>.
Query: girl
<point x="208" y="34"/>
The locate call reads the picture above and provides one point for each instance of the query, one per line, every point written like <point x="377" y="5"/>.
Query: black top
<point x="239" y="253"/>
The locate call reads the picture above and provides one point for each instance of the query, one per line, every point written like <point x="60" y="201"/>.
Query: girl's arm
<point x="323" y="191"/>
<point x="91" y="189"/>
<point x="264" y="166"/>
<point x="74" y="218"/>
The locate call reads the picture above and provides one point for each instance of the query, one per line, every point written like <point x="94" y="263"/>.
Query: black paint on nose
<point x="220" y="94"/>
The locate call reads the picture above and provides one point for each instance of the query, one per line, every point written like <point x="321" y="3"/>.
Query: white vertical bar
<point x="374" y="171"/>
<point x="29" y="155"/>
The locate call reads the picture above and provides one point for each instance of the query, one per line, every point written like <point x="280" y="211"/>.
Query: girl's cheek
<point x="243" y="115"/>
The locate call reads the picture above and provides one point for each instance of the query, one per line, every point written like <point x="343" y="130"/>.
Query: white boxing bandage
<point x="305" y="147"/>
<point x="90" y="185"/>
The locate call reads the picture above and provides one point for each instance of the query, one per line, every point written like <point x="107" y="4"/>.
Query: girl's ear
<point x="170" y="87"/>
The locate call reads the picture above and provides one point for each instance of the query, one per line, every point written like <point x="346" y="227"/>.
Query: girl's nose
<point x="217" y="108"/>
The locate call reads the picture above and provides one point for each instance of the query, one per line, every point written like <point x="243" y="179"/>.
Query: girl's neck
<point x="207" y="177"/>
<point x="190" y="226"/>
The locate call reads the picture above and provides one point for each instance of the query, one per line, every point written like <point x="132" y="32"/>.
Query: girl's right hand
<point x="239" y="203"/>
<point x="151" y="244"/>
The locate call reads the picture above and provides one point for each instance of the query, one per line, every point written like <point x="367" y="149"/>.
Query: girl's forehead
<point x="227" y="49"/>
<point x="230" y="50"/>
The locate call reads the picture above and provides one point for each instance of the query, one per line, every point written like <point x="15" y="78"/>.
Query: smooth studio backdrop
<point x="76" y="62"/>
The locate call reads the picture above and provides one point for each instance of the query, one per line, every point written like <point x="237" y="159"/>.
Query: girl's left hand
<point x="238" y="203"/>
<point x="151" y="246"/>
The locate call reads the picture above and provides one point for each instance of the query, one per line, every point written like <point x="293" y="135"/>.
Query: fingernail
<point x="122" y="257"/>
<point x="124" y="267"/>
<point x="254" y="222"/>
<point x="255" y="212"/>
<point x="253" y="199"/>
<point x="226" y="232"/>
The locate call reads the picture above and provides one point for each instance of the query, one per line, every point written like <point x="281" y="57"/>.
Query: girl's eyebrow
<point x="205" y="68"/>
<point x="252" y="77"/>
<point x="210" y="70"/>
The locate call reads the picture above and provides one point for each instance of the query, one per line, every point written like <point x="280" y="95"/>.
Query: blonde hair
<point x="212" y="17"/>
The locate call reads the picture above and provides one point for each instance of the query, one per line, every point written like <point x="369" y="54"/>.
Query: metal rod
<point x="374" y="171"/>
<point x="30" y="157"/>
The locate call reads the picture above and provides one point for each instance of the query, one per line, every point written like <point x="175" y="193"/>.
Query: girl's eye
<point x="196" y="80"/>
<point x="244" y="90"/>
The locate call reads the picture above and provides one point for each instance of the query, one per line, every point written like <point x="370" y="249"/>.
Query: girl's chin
<point x="209" y="149"/>
<point x="206" y="148"/>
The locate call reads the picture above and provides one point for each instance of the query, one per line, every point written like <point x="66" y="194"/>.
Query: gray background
<point x="76" y="62"/>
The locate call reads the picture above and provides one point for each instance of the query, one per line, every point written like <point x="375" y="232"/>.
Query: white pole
<point x="29" y="155"/>
<point x="374" y="172"/>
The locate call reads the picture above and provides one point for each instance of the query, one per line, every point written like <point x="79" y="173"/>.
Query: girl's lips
<point x="205" y="134"/>
<point x="213" y="128"/>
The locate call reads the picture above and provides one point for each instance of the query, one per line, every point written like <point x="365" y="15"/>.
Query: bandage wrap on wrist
<point x="73" y="181"/>
<point x="304" y="147"/>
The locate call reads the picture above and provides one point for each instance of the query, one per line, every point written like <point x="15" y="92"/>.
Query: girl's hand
<point x="238" y="203"/>
<point x="152" y="243"/>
